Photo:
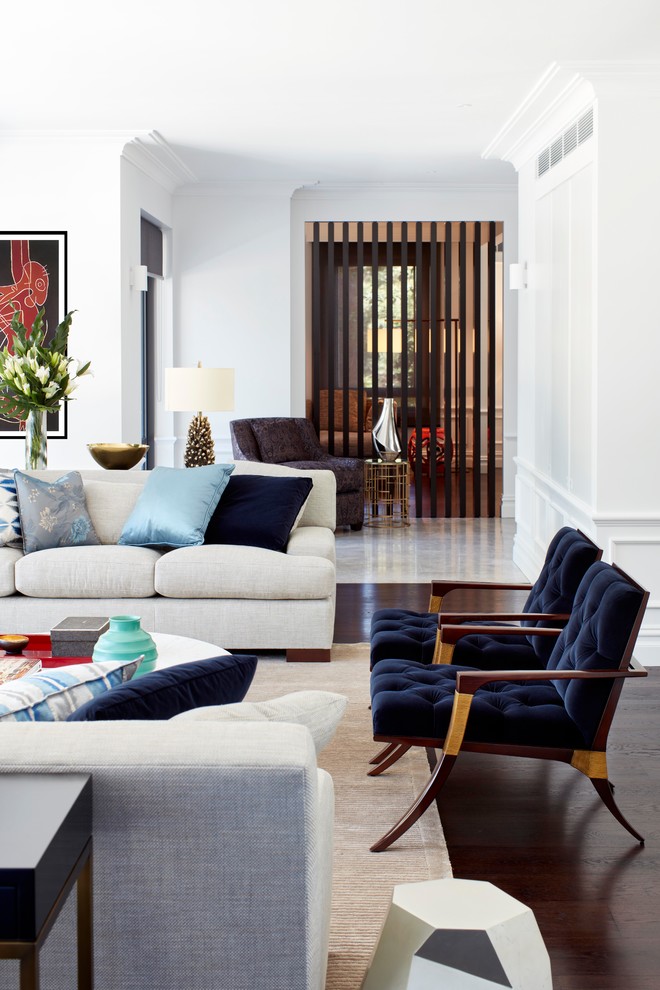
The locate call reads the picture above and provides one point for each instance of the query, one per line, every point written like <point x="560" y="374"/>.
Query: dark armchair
<point x="293" y="442"/>
<point x="406" y="635"/>
<point x="562" y="712"/>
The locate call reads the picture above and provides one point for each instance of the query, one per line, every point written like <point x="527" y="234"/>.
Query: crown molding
<point x="239" y="188"/>
<point x="330" y="190"/>
<point x="152" y="155"/>
<point x="560" y="95"/>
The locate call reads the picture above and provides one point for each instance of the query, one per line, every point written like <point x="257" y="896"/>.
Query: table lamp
<point x="190" y="389"/>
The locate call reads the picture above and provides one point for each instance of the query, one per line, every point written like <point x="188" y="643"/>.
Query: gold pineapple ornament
<point x="200" y="449"/>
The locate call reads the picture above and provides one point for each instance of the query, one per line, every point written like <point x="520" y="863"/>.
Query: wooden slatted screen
<point x="412" y="311"/>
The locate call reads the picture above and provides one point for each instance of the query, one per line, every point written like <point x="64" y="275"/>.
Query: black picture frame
<point x="33" y="273"/>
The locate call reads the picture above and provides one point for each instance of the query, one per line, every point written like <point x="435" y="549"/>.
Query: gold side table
<point x="386" y="493"/>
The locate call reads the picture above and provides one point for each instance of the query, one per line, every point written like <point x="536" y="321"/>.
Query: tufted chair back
<point x="569" y="557"/>
<point x="600" y="635"/>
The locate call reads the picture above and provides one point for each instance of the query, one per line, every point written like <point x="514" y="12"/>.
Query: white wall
<point x="71" y="183"/>
<point x="232" y="292"/>
<point x="589" y="405"/>
<point x="397" y="203"/>
<point x="142" y="195"/>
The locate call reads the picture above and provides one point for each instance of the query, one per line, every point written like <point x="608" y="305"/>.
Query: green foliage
<point x="35" y="375"/>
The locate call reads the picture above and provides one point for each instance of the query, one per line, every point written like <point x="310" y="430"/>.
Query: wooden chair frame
<point x="591" y="762"/>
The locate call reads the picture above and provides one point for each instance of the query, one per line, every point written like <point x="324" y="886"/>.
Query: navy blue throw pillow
<point x="165" y="693"/>
<point x="258" y="511"/>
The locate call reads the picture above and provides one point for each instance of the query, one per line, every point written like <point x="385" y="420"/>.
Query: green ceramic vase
<point x="125" y="640"/>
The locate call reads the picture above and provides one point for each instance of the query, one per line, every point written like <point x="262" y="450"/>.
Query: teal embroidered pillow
<point x="175" y="506"/>
<point x="10" y="520"/>
<point x="53" y="513"/>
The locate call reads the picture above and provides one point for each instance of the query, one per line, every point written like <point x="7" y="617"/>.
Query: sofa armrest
<point x="221" y="828"/>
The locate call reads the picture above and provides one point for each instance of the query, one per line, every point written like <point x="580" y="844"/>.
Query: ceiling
<point x="342" y="91"/>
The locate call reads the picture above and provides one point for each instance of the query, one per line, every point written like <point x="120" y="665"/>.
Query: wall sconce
<point x="518" y="276"/>
<point x="139" y="278"/>
<point x="190" y="389"/>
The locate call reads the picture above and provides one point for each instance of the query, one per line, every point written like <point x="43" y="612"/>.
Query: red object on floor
<point x="39" y="648"/>
<point x="426" y="449"/>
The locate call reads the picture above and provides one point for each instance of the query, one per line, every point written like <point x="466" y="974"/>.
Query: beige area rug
<point x="365" y="808"/>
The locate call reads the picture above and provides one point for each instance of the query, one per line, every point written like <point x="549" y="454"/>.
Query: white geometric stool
<point x="458" y="935"/>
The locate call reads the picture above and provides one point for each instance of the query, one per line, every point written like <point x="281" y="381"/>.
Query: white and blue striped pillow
<point x="51" y="695"/>
<point x="10" y="519"/>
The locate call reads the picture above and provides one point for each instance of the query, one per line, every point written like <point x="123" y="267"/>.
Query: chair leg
<point x="390" y="759"/>
<point x="435" y="783"/>
<point x="605" y="792"/>
<point x="383" y="753"/>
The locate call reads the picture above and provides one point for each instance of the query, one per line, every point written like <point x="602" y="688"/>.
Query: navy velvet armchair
<point x="562" y="712"/>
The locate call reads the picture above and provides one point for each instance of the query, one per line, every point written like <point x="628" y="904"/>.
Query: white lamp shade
<point x="197" y="389"/>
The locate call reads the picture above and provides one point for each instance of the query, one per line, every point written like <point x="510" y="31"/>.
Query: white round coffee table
<point x="173" y="650"/>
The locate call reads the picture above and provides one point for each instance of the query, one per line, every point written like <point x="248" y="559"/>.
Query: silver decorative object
<point x="386" y="439"/>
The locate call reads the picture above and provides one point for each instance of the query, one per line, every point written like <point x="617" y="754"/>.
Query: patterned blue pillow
<point x="51" y="695"/>
<point x="10" y="519"/>
<point x="53" y="513"/>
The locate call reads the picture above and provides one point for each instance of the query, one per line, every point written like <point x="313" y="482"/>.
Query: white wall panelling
<point x="589" y="350"/>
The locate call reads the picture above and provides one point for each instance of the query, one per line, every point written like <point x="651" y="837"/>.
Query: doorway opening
<point x="413" y="312"/>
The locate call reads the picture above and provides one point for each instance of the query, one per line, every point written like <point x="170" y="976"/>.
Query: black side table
<point x="45" y="847"/>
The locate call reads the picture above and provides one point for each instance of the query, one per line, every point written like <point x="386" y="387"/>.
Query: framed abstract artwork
<point x="32" y="275"/>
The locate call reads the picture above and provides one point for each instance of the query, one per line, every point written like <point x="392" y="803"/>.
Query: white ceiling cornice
<point x="330" y="190"/>
<point x="562" y="92"/>
<point x="237" y="188"/>
<point x="153" y="156"/>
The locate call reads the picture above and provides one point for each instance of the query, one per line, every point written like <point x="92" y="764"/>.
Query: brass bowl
<point x="13" y="642"/>
<point x="117" y="456"/>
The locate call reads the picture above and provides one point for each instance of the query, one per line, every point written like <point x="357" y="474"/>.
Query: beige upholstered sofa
<point x="212" y="853"/>
<point x="237" y="597"/>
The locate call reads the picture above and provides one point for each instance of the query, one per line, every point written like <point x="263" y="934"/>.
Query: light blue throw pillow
<point x="175" y="507"/>
<point x="52" y="695"/>
<point x="54" y="513"/>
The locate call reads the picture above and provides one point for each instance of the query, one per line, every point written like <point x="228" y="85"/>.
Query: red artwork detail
<point x="29" y="289"/>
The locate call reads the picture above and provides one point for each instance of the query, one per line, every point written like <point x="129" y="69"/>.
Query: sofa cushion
<point x="10" y="519"/>
<point x="87" y="572"/>
<point x="320" y="711"/>
<point x="176" y="506"/>
<point x="165" y="693"/>
<point x="51" y="696"/>
<point x="242" y="572"/>
<point x="53" y="513"/>
<point x="109" y="505"/>
<point x="8" y="558"/>
<point x="279" y="440"/>
<point x="258" y="511"/>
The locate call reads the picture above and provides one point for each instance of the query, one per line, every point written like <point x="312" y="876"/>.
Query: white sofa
<point x="236" y="597"/>
<point x="212" y="853"/>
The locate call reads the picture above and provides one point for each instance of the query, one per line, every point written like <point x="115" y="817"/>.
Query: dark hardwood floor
<point x="540" y="832"/>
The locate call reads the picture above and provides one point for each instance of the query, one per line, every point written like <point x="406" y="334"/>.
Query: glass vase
<point x="35" y="440"/>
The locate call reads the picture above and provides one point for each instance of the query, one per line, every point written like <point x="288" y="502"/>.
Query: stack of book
<point x="14" y="667"/>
